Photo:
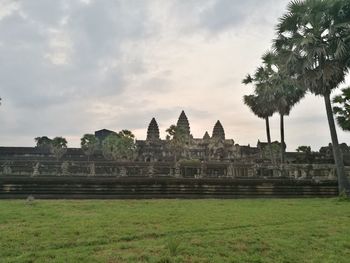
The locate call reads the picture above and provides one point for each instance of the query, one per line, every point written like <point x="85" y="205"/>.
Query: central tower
<point x="183" y="123"/>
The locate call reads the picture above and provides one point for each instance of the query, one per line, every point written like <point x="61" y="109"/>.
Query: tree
<point x="285" y="90"/>
<point x="43" y="142"/>
<point x="342" y="109"/>
<point x="262" y="105"/>
<point x="262" y="109"/>
<point x="275" y="91"/>
<point x="89" y="144"/>
<point x="127" y="133"/>
<point x="304" y="149"/>
<point x="307" y="154"/>
<point x="58" y="147"/>
<point x="120" y="146"/>
<point x="177" y="140"/>
<point x="313" y="40"/>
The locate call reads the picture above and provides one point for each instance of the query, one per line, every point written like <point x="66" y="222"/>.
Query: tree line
<point x="116" y="146"/>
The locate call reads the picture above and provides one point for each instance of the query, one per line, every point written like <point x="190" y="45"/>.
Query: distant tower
<point x="153" y="130"/>
<point x="183" y="123"/>
<point x="206" y="136"/>
<point x="218" y="131"/>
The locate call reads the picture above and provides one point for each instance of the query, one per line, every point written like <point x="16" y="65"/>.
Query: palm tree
<point x="275" y="90"/>
<point x="261" y="105"/>
<point x="285" y="90"/>
<point x="262" y="110"/>
<point x="342" y="109"/>
<point x="313" y="41"/>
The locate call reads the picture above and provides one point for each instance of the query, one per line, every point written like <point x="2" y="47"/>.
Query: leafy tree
<point x="307" y="154"/>
<point x="89" y="144"/>
<point x="177" y="140"/>
<point x="119" y="146"/>
<point x="126" y="133"/>
<point x="342" y="109"/>
<point x="43" y="142"/>
<point x="304" y="149"/>
<point x="313" y="40"/>
<point x="59" y="147"/>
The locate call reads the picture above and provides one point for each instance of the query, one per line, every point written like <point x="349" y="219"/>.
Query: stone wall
<point x="30" y="171"/>
<point x="186" y="169"/>
<point x="128" y="187"/>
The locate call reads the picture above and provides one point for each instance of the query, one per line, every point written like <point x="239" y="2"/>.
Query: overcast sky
<point x="70" y="67"/>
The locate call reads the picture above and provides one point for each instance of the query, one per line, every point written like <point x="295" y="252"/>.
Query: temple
<point x="213" y="156"/>
<point x="212" y="166"/>
<point x="215" y="147"/>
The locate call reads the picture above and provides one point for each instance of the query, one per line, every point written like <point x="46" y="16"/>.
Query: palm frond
<point x="247" y="80"/>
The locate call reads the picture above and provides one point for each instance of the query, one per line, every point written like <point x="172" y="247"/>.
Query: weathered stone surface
<point x="124" y="187"/>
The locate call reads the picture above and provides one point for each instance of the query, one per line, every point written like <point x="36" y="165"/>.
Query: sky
<point x="70" y="67"/>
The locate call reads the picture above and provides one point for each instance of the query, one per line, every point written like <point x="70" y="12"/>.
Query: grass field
<point x="298" y="230"/>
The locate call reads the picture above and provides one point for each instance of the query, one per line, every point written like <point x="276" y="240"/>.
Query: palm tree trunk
<point x="282" y="137"/>
<point x="268" y="130"/>
<point x="343" y="183"/>
<point x="269" y="138"/>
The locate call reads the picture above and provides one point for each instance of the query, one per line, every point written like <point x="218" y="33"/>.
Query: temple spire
<point x="218" y="131"/>
<point x="153" y="130"/>
<point x="183" y="123"/>
<point x="206" y="136"/>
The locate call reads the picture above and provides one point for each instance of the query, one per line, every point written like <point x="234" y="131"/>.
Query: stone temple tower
<point x="206" y="136"/>
<point x="184" y="124"/>
<point x="153" y="131"/>
<point x="218" y="131"/>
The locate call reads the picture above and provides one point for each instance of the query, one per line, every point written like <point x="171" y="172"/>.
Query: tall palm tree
<point x="262" y="106"/>
<point x="285" y="90"/>
<point x="313" y="40"/>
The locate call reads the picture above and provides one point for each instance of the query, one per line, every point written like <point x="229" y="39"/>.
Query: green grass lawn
<point x="297" y="230"/>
